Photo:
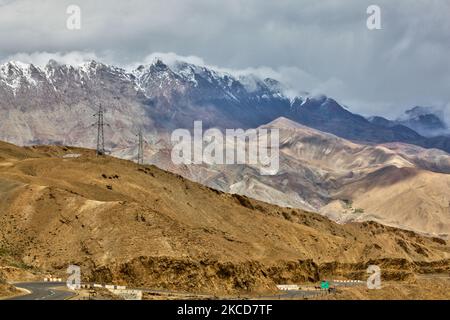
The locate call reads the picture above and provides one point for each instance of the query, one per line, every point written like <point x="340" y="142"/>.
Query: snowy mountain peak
<point x="17" y="65"/>
<point x="91" y="67"/>
<point x="15" y="74"/>
<point x="159" y="64"/>
<point x="428" y="121"/>
<point x="52" y="64"/>
<point x="14" y="69"/>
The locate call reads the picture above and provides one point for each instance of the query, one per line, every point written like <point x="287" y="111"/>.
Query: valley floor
<point x="424" y="288"/>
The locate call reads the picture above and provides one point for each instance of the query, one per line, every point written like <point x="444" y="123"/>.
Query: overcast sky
<point x="317" y="46"/>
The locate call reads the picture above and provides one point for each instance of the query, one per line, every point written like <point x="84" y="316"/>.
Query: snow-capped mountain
<point x="179" y="92"/>
<point x="427" y="121"/>
<point x="55" y="103"/>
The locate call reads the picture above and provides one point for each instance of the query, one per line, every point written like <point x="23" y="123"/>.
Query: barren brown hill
<point x="138" y="225"/>
<point x="395" y="184"/>
<point x="407" y="198"/>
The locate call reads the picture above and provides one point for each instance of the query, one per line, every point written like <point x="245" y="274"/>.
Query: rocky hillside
<point x="141" y="226"/>
<point x="397" y="184"/>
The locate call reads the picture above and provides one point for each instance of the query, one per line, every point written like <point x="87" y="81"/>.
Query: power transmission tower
<point x="100" y="132"/>
<point x="140" y="157"/>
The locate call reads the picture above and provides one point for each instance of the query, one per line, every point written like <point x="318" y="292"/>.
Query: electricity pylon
<point x="100" y="131"/>
<point x="140" y="157"/>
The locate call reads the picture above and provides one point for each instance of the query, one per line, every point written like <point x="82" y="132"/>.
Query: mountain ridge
<point x="161" y="97"/>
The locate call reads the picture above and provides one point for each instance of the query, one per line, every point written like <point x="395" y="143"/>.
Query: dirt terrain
<point x="6" y="289"/>
<point x="144" y="227"/>
<point x="420" y="289"/>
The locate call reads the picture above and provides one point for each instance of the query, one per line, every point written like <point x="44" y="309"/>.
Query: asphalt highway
<point x="44" y="291"/>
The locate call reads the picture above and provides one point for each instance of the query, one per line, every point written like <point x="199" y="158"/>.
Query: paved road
<point x="295" y="294"/>
<point x="434" y="276"/>
<point x="44" y="291"/>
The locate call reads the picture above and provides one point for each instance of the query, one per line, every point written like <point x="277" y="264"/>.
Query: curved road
<point x="43" y="291"/>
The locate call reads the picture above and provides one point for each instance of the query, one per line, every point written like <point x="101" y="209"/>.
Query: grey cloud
<point x="317" y="46"/>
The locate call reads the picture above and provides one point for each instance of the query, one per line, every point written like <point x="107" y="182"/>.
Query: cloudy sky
<point x="316" y="46"/>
